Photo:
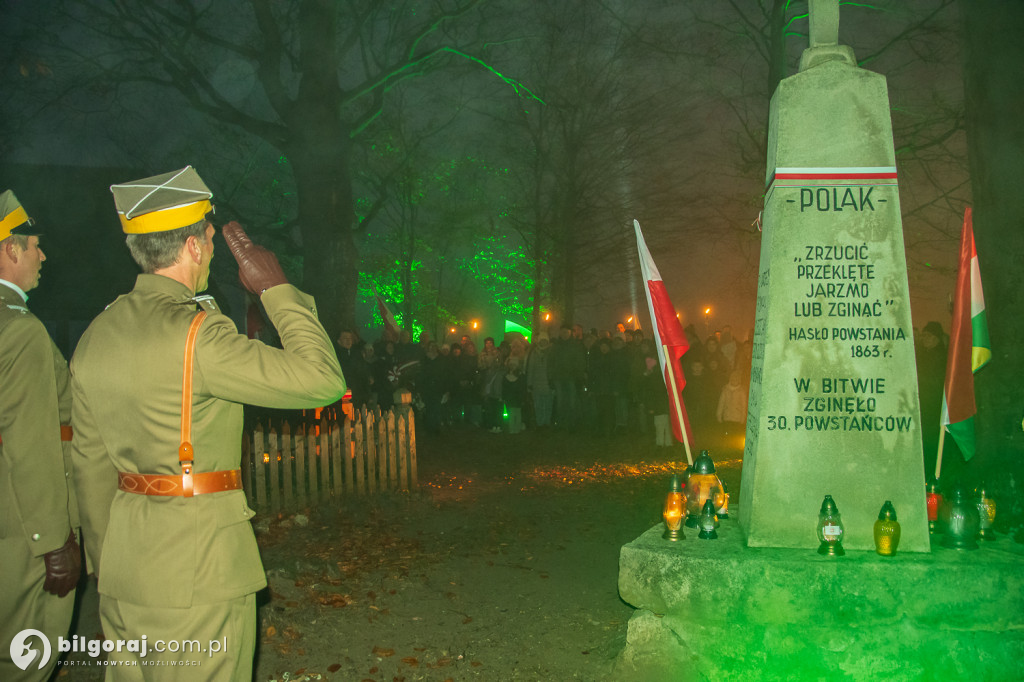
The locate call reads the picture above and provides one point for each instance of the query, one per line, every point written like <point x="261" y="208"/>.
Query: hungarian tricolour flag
<point x="969" y="347"/>
<point x="670" y="339"/>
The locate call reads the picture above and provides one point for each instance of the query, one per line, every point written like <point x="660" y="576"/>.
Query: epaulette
<point x="207" y="303"/>
<point x="20" y="308"/>
<point x="114" y="301"/>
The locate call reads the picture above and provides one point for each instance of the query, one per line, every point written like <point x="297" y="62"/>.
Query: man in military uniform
<point x="40" y="561"/>
<point x="158" y="381"/>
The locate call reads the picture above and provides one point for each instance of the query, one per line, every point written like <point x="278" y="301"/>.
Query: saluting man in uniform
<point x="40" y="561"/>
<point x="158" y="382"/>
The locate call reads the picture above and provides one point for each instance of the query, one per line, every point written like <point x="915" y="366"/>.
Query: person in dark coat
<point x="432" y="384"/>
<point x="602" y="373"/>
<point x="513" y="392"/>
<point x="700" y="395"/>
<point x="654" y="397"/>
<point x="354" y="367"/>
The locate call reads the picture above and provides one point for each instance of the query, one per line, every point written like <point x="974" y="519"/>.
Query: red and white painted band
<point x="843" y="174"/>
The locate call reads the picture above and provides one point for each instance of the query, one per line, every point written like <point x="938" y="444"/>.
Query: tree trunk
<point x="319" y="148"/>
<point x="994" y="98"/>
<point x="330" y="260"/>
<point x="776" y="46"/>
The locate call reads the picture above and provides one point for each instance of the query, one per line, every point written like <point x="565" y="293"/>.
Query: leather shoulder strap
<point x="185" y="451"/>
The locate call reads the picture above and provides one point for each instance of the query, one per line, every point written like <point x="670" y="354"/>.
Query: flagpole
<point x="942" y="440"/>
<point x="677" y="401"/>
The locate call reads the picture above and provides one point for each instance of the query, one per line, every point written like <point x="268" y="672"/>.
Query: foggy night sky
<point x="699" y="222"/>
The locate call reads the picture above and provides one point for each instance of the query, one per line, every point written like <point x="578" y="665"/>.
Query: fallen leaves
<point x="605" y="473"/>
<point x="333" y="599"/>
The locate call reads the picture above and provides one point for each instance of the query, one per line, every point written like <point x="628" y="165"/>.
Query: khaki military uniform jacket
<point x="36" y="497"/>
<point x="127" y="383"/>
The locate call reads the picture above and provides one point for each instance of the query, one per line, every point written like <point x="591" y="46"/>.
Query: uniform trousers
<point x="24" y="604"/>
<point x="212" y="641"/>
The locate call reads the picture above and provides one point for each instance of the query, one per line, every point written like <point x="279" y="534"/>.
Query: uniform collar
<point x="16" y="288"/>
<point x="163" y="285"/>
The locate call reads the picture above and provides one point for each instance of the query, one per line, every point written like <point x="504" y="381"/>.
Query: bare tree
<point x="305" y="77"/>
<point x="593" y="155"/>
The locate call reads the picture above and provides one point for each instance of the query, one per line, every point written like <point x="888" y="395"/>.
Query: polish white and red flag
<point x="670" y="340"/>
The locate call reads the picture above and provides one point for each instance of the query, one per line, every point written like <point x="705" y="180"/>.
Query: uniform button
<point x="35" y="537"/>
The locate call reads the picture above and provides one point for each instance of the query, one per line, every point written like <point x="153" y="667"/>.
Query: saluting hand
<point x="258" y="268"/>
<point x="63" y="567"/>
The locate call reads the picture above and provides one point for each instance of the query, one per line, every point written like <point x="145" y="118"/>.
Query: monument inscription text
<point x="839" y="305"/>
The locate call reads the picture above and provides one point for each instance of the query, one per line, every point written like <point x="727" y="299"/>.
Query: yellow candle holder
<point x="887" y="530"/>
<point x="673" y="511"/>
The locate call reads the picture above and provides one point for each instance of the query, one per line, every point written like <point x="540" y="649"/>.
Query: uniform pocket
<point x="230" y="565"/>
<point x="232" y="508"/>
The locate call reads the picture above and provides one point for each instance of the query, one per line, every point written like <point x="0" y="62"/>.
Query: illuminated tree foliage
<point x="503" y="267"/>
<point x="425" y="215"/>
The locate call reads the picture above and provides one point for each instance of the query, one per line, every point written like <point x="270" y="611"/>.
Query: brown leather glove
<point x="63" y="567"/>
<point x="257" y="267"/>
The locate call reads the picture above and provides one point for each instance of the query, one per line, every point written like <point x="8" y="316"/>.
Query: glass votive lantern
<point x="961" y="520"/>
<point x="830" y="529"/>
<point x="675" y="507"/>
<point x="722" y="502"/>
<point x="986" y="513"/>
<point x="933" y="499"/>
<point x="887" y="530"/>
<point x="708" y="521"/>
<point x="703" y="484"/>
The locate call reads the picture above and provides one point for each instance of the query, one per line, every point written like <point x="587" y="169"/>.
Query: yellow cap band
<point x="14" y="219"/>
<point x="167" y="219"/>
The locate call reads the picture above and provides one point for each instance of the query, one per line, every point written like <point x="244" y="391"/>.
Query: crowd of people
<point x="602" y="382"/>
<point x="598" y="381"/>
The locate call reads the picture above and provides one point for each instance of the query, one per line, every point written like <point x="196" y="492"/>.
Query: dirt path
<point x="502" y="567"/>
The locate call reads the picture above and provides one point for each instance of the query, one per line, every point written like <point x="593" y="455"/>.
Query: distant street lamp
<point x="707" y="328"/>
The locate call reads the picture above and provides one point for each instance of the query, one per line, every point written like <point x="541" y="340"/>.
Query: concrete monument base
<point x="718" y="610"/>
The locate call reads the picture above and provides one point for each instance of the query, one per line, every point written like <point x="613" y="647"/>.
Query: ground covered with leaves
<point x="502" y="565"/>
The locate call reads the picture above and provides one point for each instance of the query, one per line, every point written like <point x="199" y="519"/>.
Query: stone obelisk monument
<point x="833" y="392"/>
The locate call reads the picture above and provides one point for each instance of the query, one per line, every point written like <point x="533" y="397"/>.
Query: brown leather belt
<point x="66" y="433"/>
<point x="174" y="486"/>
